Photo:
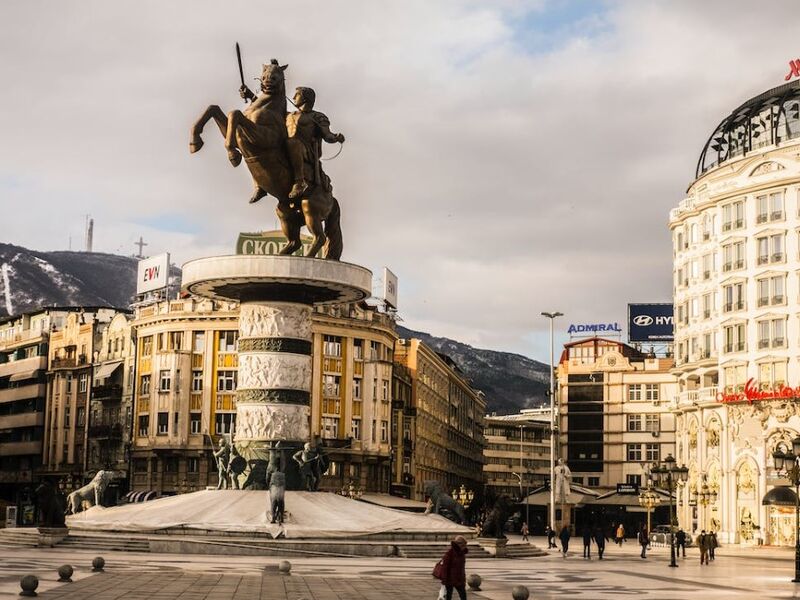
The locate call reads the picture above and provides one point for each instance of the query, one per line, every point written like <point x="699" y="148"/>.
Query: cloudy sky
<point x="503" y="158"/>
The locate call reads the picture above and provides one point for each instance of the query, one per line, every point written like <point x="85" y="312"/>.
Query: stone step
<point x="90" y="542"/>
<point x="435" y="551"/>
<point x="524" y="551"/>
<point x="19" y="538"/>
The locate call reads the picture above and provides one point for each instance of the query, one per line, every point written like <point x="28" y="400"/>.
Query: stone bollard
<point x="65" y="574"/>
<point x="474" y="581"/>
<point x="520" y="592"/>
<point x="29" y="583"/>
<point x="285" y="567"/>
<point x="98" y="562"/>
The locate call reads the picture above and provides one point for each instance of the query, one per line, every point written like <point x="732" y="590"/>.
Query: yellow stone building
<point x="449" y="416"/>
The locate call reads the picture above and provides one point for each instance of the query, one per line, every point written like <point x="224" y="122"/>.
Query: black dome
<point x="780" y="496"/>
<point x="767" y="119"/>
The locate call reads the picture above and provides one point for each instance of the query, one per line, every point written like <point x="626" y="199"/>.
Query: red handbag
<point x="438" y="570"/>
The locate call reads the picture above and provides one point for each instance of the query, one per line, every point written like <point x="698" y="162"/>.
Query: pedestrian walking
<point x="564" y="537"/>
<point x="451" y="570"/>
<point x="620" y="535"/>
<point x="644" y="540"/>
<point x="551" y="537"/>
<point x="587" y="542"/>
<point x="680" y="540"/>
<point x="713" y="544"/>
<point x="702" y="544"/>
<point x="600" y="540"/>
<point x="524" y="532"/>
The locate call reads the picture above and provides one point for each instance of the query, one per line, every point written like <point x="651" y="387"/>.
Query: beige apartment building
<point x="613" y="412"/>
<point x="449" y="414"/>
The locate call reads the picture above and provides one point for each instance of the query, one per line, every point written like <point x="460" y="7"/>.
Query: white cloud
<point x="495" y="180"/>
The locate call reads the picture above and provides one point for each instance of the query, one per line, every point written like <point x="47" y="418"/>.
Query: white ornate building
<point x="737" y="320"/>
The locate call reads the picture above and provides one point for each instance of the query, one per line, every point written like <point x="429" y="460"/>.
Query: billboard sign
<point x="267" y="243"/>
<point x="389" y="287"/>
<point x="651" y="322"/>
<point x="153" y="274"/>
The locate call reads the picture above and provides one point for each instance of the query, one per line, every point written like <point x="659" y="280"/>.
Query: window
<point x="770" y="207"/>
<point x="733" y="216"/>
<point x="652" y="452"/>
<point x="332" y="345"/>
<point x="708" y="266"/>
<point x="144" y="385"/>
<point x="224" y="423"/>
<point x="330" y="386"/>
<point x="163" y="423"/>
<point x="771" y="290"/>
<point x="164" y="380"/>
<point x="772" y="375"/>
<point x="384" y="431"/>
<point x="634" y="422"/>
<point x="147" y="346"/>
<point x="355" y="429"/>
<point x="175" y="340"/>
<point x="83" y="382"/>
<point x="651" y="392"/>
<point x="634" y="452"/>
<point x="734" y="295"/>
<point x="80" y="420"/>
<point x="631" y="479"/>
<point x="652" y="423"/>
<point x="356" y="388"/>
<point x="144" y="425"/>
<point x="358" y="349"/>
<point x="770" y="248"/>
<point x="733" y="256"/>
<point x="194" y="423"/>
<point x="734" y="338"/>
<point x="385" y="396"/>
<point x="330" y="427"/>
<point x="227" y="341"/>
<point x="634" y="392"/>
<point x="199" y="342"/>
<point x="226" y="381"/>
<point x="708" y="305"/>
<point x="66" y="418"/>
<point x="374" y="430"/>
<point x="197" y="381"/>
<point x="772" y="333"/>
<point x="735" y="377"/>
<point x="69" y="383"/>
<point x="592" y="481"/>
<point x="193" y="465"/>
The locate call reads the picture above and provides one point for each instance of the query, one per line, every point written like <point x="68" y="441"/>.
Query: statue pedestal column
<point x="277" y="295"/>
<point x="494" y="546"/>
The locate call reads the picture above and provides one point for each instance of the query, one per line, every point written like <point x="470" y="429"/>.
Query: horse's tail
<point x="333" y="231"/>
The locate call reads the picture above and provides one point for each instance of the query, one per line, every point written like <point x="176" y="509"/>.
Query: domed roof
<point x="780" y="496"/>
<point x="767" y="119"/>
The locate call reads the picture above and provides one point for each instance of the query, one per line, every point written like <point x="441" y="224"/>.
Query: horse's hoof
<point x="235" y="157"/>
<point x="195" y="145"/>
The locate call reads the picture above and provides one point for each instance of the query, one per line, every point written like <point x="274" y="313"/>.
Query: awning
<point x="394" y="502"/>
<point x="577" y="496"/>
<point x="24" y="375"/>
<point x="780" y="496"/>
<point x="106" y="370"/>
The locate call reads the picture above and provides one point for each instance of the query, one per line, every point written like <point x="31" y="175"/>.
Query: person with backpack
<point x="451" y="569"/>
<point x="564" y="537"/>
<point x="551" y="537"/>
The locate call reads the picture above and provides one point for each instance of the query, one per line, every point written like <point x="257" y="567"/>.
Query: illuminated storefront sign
<point x="751" y="393"/>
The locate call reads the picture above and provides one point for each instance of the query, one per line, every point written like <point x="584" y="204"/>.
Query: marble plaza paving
<point x="750" y="574"/>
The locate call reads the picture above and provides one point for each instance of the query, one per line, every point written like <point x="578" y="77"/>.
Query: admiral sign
<point x="592" y="329"/>
<point x="650" y="323"/>
<point x="152" y="274"/>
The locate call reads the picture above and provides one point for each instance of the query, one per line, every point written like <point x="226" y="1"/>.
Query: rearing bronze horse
<point x="259" y="135"/>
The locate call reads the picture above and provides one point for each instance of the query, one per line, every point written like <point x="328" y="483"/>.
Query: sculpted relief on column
<point x="274" y="371"/>
<point x="271" y="422"/>
<point x="278" y="319"/>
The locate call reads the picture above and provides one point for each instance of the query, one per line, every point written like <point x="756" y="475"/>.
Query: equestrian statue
<point x="282" y="151"/>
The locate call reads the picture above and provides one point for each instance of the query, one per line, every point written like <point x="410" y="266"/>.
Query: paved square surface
<point x="736" y="574"/>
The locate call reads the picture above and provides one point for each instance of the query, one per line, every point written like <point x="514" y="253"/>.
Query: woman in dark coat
<point x="454" y="573"/>
<point x="600" y="540"/>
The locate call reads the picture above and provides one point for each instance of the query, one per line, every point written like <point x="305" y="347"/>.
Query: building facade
<point x="449" y="413"/>
<point x="517" y="453"/>
<point x="736" y="270"/>
<point x="613" y="412"/>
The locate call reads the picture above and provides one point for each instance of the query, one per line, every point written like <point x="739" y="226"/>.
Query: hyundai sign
<point x="650" y="323"/>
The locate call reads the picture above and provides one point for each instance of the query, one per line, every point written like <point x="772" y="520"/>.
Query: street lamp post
<point x="553" y="425"/>
<point x="669" y="475"/>
<point x="705" y="496"/>
<point x="790" y="464"/>
<point x="648" y="499"/>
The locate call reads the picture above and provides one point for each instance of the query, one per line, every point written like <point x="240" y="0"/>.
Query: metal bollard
<point x="520" y="592"/>
<point x="98" y="562"/>
<point x="285" y="567"/>
<point x="29" y="583"/>
<point x="474" y="581"/>
<point x="65" y="573"/>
